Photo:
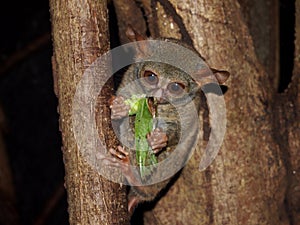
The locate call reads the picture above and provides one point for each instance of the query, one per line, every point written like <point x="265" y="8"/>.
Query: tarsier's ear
<point x="210" y="75"/>
<point x="132" y="35"/>
<point x="221" y="75"/>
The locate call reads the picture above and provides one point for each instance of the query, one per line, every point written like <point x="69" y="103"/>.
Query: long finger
<point x="157" y="148"/>
<point x="113" y="162"/>
<point x="116" y="153"/>
<point x="152" y="140"/>
<point x="118" y="109"/>
<point x="122" y="149"/>
<point x="120" y="114"/>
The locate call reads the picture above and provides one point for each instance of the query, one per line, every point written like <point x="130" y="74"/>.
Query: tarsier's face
<point x="167" y="83"/>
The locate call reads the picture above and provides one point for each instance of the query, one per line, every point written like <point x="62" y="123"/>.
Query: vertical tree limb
<point x="237" y="188"/>
<point x="290" y="120"/>
<point x="247" y="182"/>
<point x="80" y="35"/>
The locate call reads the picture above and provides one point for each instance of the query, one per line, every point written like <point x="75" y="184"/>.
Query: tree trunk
<point x="255" y="177"/>
<point x="242" y="189"/>
<point x="289" y="136"/>
<point x="80" y="35"/>
<point x="256" y="171"/>
<point x="262" y="19"/>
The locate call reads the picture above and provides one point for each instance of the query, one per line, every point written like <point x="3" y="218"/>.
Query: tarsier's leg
<point x="157" y="140"/>
<point x="138" y="193"/>
<point x="122" y="160"/>
<point x="125" y="166"/>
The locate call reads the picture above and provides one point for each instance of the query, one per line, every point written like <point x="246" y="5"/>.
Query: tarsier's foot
<point x="157" y="140"/>
<point x="118" y="107"/>
<point x="121" y="160"/>
<point x="120" y="154"/>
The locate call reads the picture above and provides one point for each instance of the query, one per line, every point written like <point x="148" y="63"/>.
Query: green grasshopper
<point x="143" y="125"/>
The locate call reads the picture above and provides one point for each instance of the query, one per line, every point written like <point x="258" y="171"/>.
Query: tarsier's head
<point x="166" y="83"/>
<point x="169" y="83"/>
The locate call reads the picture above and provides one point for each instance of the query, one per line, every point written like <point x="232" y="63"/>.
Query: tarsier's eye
<point x="150" y="77"/>
<point x="176" y="88"/>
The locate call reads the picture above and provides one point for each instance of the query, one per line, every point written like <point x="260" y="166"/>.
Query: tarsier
<point x="169" y="89"/>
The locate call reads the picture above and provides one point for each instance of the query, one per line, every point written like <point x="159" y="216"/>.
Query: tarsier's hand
<point x="157" y="140"/>
<point x="121" y="160"/>
<point x="118" y="107"/>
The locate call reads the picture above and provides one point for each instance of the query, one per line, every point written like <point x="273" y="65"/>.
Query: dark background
<point x="26" y="94"/>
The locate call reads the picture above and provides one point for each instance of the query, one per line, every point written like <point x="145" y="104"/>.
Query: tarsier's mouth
<point x="155" y="100"/>
<point x="152" y="105"/>
<point x="161" y="101"/>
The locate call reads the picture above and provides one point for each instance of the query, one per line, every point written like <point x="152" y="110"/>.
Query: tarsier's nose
<point x="162" y="101"/>
<point x="159" y="95"/>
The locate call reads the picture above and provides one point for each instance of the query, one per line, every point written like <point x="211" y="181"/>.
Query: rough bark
<point x="247" y="182"/>
<point x="289" y="125"/>
<point x="80" y="35"/>
<point x="262" y="19"/>
<point x="128" y="13"/>
<point x="255" y="177"/>
<point x="240" y="188"/>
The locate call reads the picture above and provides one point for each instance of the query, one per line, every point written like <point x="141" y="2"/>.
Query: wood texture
<point x="246" y="184"/>
<point x="80" y="35"/>
<point x="128" y="13"/>
<point x="290" y="120"/>
<point x="255" y="177"/>
<point x="262" y="20"/>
